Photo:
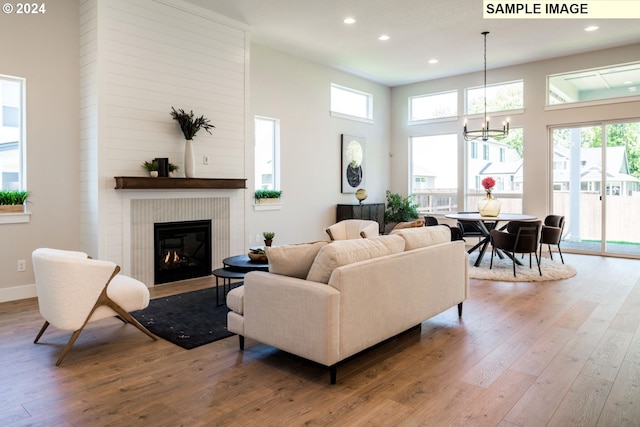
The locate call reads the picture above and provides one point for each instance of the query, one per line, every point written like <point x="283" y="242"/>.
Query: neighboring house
<point x="618" y="179"/>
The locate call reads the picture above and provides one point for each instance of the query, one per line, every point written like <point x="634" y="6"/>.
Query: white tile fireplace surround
<point x="140" y="215"/>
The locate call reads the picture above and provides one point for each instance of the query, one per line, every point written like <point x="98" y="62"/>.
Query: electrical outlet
<point x="22" y="265"/>
<point x="205" y="160"/>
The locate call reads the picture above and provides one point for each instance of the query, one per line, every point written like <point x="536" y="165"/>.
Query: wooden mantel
<point x="148" y="183"/>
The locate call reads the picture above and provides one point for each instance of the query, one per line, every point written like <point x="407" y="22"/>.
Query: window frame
<point x="345" y="115"/>
<point x="275" y="156"/>
<point x="489" y="110"/>
<point x="422" y="120"/>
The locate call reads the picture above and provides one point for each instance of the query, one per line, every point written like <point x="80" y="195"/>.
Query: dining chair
<point x="430" y="221"/>
<point x="551" y="234"/>
<point x="519" y="237"/>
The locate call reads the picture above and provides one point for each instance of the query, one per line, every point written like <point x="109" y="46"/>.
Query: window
<point x="351" y="104"/>
<point x="12" y="174"/>
<point x="434" y="172"/>
<point x="474" y="150"/>
<point x="267" y="153"/>
<point x="500" y="97"/>
<point x="501" y="160"/>
<point x="433" y="106"/>
<point x="614" y="81"/>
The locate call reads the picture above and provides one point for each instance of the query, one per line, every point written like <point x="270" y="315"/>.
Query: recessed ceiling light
<point x="591" y="28"/>
<point x="632" y="89"/>
<point x="349" y="21"/>
<point x="384" y="37"/>
<point x="433" y="61"/>
<point x="628" y="82"/>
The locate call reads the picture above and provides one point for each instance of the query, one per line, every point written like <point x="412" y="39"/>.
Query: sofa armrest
<point x="294" y="315"/>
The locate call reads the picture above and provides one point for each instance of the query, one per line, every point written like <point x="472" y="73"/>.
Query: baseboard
<point x="17" y="293"/>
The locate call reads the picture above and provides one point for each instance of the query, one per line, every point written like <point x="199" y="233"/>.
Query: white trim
<point x="205" y="13"/>
<point x="350" y="117"/>
<point x="270" y="207"/>
<point x="18" y="292"/>
<point x="15" y="218"/>
<point x="606" y="101"/>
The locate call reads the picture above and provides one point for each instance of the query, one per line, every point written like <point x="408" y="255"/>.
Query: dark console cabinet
<point x="371" y="211"/>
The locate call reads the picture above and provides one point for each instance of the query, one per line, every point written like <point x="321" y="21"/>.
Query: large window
<point x="11" y="133"/>
<point x="500" y="97"/>
<point x="433" y="106"/>
<point x="501" y="160"/>
<point x="267" y="153"/>
<point x="351" y="103"/>
<point x="434" y="172"/>
<point x="615" y="81"/>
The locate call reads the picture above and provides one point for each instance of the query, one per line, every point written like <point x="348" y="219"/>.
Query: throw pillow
<point x="409" y="224"/>
<point x="343" y="252"/>
<point x="423" y="236"/>
<point x="292" y="260"/>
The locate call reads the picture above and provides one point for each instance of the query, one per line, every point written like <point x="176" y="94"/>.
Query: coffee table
<point x="235" y="267"/>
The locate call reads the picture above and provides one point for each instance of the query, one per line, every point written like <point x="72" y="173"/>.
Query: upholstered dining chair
<point x="519" y="237"/>
<point x="551" y="234"/>
<point x="353" y="229"/>
<point x="74" y="289"/>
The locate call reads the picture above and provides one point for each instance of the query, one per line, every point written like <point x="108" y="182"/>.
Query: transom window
<point x="433" y="106"/>
<point x="12" y="133"/>
<point x="500" y="97"/>
<point x="351" y="104"/>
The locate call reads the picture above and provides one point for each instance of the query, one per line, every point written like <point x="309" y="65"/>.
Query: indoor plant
<point x="268" y="237"/>
<point x="263" y="197"/>
<point x="190" y="125"/>
<point x="400" y="209"/>
<point x="151" y="167"/>
<point x="12" y="201"/>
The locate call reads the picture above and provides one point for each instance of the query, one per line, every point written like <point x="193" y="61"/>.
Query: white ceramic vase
<point x="489" y="206"/>
<point x="189" y="160"/>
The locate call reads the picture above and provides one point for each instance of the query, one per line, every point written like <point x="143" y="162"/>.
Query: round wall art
<point x="353" y="155"/>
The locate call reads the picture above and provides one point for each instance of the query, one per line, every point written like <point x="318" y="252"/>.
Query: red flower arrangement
<point x="488" y="184"/>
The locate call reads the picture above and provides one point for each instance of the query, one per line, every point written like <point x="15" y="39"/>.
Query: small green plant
<point x="173" y="168"/>
<point x="189" y="124"/>
<point x="13" y="197"/>
<point x="267" y="194"/>
<point x="150" y="166"/>
<point x="269" y="235"/>
<point x="400" y="209"/>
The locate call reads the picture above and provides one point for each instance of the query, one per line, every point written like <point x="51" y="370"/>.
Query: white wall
<point x="535" y="120"/>
<point x="298" y="93"/>
<point x="44" y="50"/>
<point x="139" y="59"/>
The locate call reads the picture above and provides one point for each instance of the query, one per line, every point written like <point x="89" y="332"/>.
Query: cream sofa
<point x="328" y="301"/>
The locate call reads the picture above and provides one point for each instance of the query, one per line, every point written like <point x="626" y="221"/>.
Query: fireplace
<point x="182" y="250"/>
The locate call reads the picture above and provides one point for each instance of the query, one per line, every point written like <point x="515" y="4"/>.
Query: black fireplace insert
<point x="182" y="250"/>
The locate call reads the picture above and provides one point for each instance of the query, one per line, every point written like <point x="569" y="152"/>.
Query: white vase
<point x="489" y="206"/>
<point x="189" y="160"/>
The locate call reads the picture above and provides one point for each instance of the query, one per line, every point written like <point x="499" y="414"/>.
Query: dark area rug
<point x="189" y="320"/>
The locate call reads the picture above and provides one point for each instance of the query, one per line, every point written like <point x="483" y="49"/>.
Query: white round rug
<point x="502" y="270"/>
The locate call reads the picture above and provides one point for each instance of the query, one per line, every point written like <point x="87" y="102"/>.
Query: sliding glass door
<point x="596" y="186"/>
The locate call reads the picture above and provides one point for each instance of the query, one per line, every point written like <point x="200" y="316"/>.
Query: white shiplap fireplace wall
<point x="139" y="59"/>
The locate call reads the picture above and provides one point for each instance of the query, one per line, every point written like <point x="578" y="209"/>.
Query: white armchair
<point x="353" y="229"/>
<point x="74" y="290"/>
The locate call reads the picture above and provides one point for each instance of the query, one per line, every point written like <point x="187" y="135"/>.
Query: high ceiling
<point x="419" y="30"/>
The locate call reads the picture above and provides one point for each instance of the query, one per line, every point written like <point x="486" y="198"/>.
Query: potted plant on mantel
<point x="13" y="201"/>
<point x="267" y="197"/>
<point x="190" y="125"/>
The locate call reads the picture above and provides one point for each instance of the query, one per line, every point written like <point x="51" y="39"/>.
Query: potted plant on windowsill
<point x="267" y="197"/>
<point x="13" y="201"/>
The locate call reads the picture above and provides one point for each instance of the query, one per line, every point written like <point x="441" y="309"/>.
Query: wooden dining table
<point x="487" y="223"/>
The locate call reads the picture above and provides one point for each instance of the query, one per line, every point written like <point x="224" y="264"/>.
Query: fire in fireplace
<point x="182" y="250"/>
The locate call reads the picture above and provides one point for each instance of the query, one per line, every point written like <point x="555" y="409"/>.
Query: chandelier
<point x="486" y="132"/>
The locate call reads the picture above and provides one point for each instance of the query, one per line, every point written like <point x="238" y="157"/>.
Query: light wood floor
<point x="563" y="353"/>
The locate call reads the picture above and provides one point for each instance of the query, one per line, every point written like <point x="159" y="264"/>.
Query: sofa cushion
<point x="423" y="236"/>
<point x="343" y="252"/>
<point x="235" y="299"/>
<point x="293" y="260"/>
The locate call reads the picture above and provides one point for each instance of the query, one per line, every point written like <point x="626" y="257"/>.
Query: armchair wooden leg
<point x="241" y="342"/>
<point x="460" y="310"/>
<point x="333" y="373"/>
<point x="44" y="328"/>
<point x="66" y="349"/>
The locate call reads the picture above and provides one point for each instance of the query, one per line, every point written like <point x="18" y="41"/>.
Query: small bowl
<point x="257" y="257"/>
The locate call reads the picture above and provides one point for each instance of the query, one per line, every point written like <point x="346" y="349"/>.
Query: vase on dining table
<point x="489" y="206"/>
